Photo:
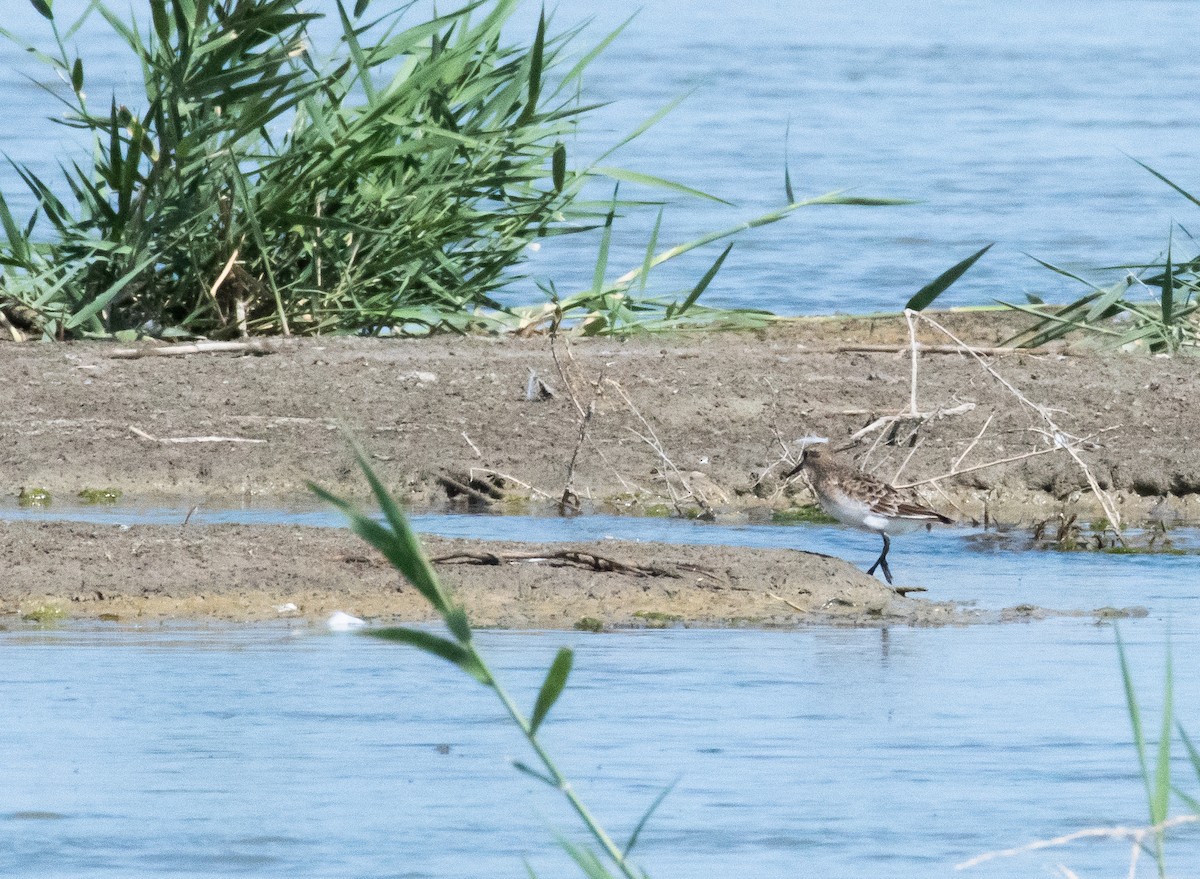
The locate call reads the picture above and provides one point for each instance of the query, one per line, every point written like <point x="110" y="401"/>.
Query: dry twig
<point x="252" y="346"/>
<point x="1136" y="835"/>
<point x="656" y="444"/>
<point x="191" y="439"/>
<point x="1062" y="439"/>
<point x="885" y="420"/>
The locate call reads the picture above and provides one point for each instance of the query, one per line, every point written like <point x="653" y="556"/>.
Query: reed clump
<point x="257" y="187"/>
<point x="392" y="185"/>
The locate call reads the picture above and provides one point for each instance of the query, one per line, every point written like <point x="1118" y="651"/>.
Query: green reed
<point x="395" y="538"/>
<point x="1154" y="765"/>
<point x="394" y="185"/>
<point x="255" y="188"/>
<point x="1152" y="307"/>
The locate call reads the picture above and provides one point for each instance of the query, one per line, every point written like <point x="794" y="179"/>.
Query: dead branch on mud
<point x="569" y="503"/>
<point x="575" y="557"/>
<point x="955" y="472"/>
<point x="251" y="346"/>
<point x="191" y="439"/>
<point x="479" y="490"/>
<point x="990" y="351"/>
<point x="790" y="604"/>
<point x="533" y="489"/>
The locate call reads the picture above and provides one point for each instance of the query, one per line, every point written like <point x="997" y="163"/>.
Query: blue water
<point x="284" y="750"/>
<point x="273" y="751"/>
<point x="281" y="751"/>
<point x="1010" y="122"/>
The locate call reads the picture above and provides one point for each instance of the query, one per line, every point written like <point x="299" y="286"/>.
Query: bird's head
<point x="810" y="453"/>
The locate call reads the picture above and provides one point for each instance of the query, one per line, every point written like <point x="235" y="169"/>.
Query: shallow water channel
<point x="285" y="750"/>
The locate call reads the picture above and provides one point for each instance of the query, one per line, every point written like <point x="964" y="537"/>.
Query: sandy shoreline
<point x="697" y="424"/>
<point x="260" y="573"/>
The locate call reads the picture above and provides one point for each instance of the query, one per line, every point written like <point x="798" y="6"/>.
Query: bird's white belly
<point x="859" y="515"/>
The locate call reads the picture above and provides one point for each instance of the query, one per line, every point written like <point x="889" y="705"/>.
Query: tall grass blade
<point x="648" y="259"/>
<point x="787" y="173"/>
<point x="935" y="288"/>
<point x="830" y="198"/>
<point x="558" y="167"/>
<point x="582" y="64"/>
<point x="535" y="71"/>
<point x="585" y="859"/>
<point x="602" y="253"/>
<point x="87" y="314"/>
<point x="526" y="769"/>
<point x="1160" y="804"/>
<point x="1064" y="272"/>
<point x="653" y="807"/>
<point x="704" y="281"/>
<point x="645" y="125"/>
<point x="398" y="554"/>
<point x="651" y="180"/>
<point x="1108" y="298"/>
<point x="1135" y="717"/>
<point x="1173" y="185"/>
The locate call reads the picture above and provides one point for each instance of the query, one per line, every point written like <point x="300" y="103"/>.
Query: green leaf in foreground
<point x="438" y="646"/>
<point x="931" y="291"/>
<point x="43" y="8"/>
<point x="552" y="687"/>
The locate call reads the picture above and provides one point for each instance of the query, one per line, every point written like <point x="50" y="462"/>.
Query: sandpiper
<point x="863" y="501"/>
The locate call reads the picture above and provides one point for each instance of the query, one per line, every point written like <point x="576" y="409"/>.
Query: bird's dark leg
<point x="881" y="562"/>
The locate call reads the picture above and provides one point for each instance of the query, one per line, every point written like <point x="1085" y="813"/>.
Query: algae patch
<point x="809" y="515"/>
<point x="100" y="495"/>
<point x="34" y="497"/>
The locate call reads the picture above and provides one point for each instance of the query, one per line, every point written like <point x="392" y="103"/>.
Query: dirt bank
<point x="698" y="420"/>
<point x="700" y="424"/>
<point x="145" y="572"/>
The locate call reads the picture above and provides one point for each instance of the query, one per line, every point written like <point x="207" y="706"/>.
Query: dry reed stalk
<point x="1136" y="835"/>
<point x="252" y="346"/>
<point x="191" y="439"/>
<point x="656" y="444"/>
<point x="1062" y="439"/>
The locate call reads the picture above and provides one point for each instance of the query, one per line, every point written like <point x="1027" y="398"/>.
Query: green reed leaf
<point x="525" y="768"/>
<point x="935" y="288"/>
<point x="436" y="645"/>
<point x="535" y="71"/>
<point x="558" y="167"/>
<point x="704" y="281"/>
<point x="1193" y="199"/>
<point x="653" y="807"/>
<point x="552" y="687"/>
